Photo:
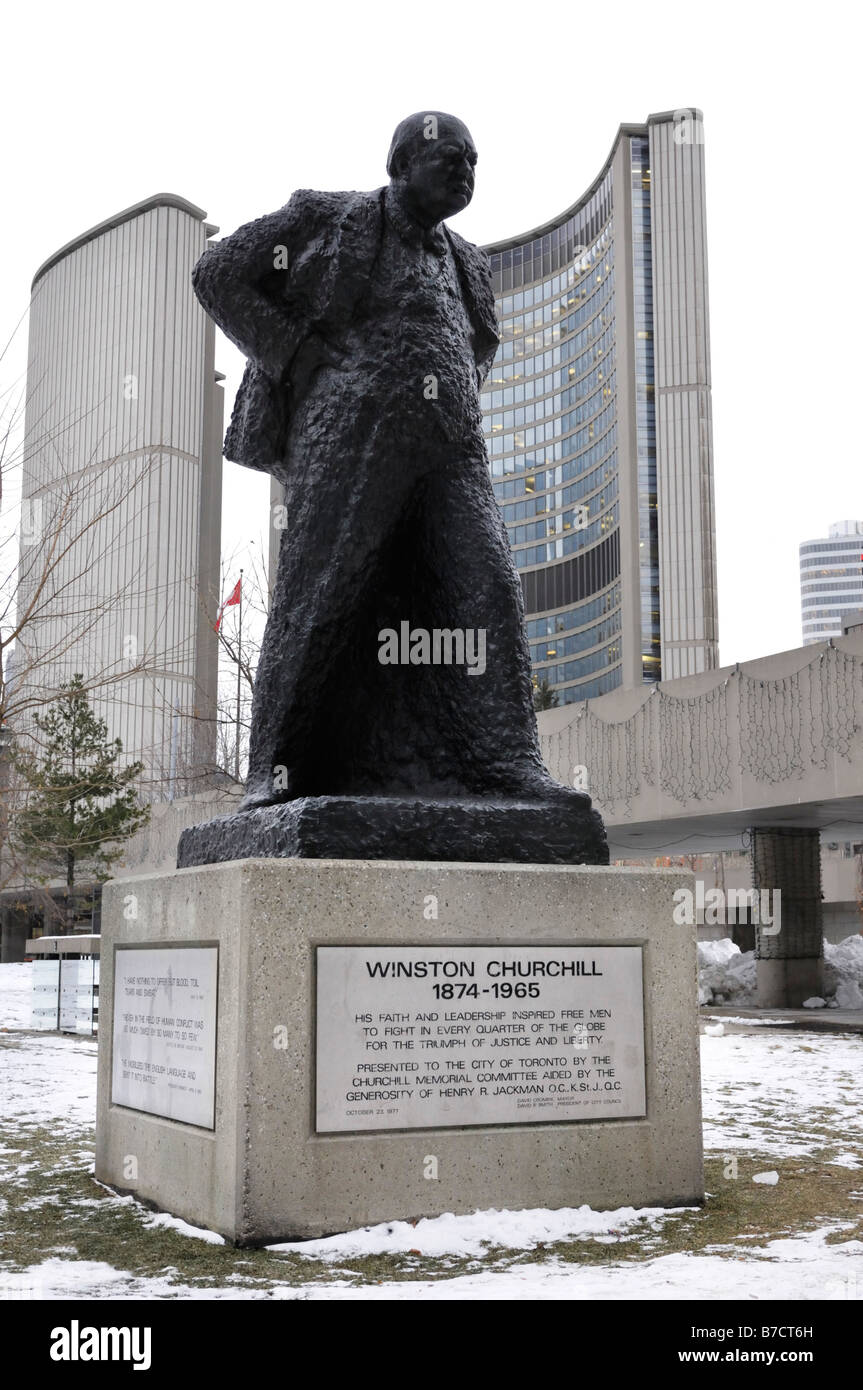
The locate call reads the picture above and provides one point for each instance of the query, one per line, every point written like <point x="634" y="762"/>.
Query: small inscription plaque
<point x="412" y="1037"/>
<point x="164" y="1059"/>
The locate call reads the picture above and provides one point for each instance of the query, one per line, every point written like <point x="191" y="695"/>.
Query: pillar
<point x="789" y="963"/>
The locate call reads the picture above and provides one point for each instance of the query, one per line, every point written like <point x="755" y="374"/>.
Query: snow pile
<point x="843" y="972"/>
<point x="176" y="1223"/>
<point x="726" y="975"/>
<point x="472" y="1234"/>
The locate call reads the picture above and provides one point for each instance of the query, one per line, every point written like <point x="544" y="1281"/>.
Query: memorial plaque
<point x="164" y="1057"/>
<point x="412" y="1037"/>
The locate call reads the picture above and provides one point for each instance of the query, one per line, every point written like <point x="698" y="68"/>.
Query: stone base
<point x="378" y="827"/>
<point x="787" y="984"/>
<point x="265" y="1173"/>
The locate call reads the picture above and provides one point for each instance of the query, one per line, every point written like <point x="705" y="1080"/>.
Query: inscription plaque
<point x="413" y="1037"/>
<point x="164" y="1056"/>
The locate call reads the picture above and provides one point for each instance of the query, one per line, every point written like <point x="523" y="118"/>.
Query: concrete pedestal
<point x="264" y="1171"/>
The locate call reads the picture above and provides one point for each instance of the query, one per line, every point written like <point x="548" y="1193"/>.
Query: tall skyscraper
<point x="831" y="580"/>
<point x="598" y="420"/>
<point x="122" y="487"/>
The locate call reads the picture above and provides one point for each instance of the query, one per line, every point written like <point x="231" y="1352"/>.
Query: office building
<point x="122" y="474"/>
<point x="831" y="581"/>
<point x="598" y="419"/>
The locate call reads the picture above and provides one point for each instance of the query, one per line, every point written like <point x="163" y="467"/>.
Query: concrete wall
<point x="777" y="740"/>
<point x="154" y="849"/>
<point x="684" y="431"/>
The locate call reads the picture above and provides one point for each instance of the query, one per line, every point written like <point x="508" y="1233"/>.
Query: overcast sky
<point x="234" y="106"/>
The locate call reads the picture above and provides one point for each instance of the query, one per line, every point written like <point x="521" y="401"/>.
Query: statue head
<point x="431" y="161"/>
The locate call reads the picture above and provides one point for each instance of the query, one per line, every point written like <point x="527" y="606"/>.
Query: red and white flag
<point x="234" y="597"/>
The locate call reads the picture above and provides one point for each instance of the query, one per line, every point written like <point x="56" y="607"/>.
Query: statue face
<point x="438" y="174"/>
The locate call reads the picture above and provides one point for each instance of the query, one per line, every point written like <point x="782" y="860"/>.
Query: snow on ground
<point x="15" y="995"/>
<point x="781" y="1092"/>
<point x="800" y="1267"/>
<point x="57" y="1278"/>
<point x="780" y="1095"/>
<point x="809" y="1270"/>
<point x="750" y="1022"/>
<point x="48" y="1079"/>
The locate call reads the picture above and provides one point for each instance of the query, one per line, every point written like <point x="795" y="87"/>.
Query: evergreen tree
<point x="543" y="696"/>
<point x="81" y="804"/>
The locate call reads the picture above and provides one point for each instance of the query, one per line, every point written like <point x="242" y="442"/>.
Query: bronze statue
<point x="393" y="687"/>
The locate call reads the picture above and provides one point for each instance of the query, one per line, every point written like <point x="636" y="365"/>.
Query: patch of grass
<point x="58" y="1206"/>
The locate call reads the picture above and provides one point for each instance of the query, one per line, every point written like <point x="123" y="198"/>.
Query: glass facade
<point x="551" y="419"/>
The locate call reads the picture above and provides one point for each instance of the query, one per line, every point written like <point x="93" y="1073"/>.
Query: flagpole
<point x="239" y="679"/>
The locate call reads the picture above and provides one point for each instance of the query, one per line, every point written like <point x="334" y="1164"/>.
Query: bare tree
<point x="239" y="660"/>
